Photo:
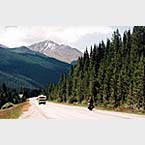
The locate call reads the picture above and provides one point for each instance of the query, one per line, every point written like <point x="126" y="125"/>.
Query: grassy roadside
<point x="121" y="111"/>
<point x="100" y="108"/>
<point x="15" y="111"/>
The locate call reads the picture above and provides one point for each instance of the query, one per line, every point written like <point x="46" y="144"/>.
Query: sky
<point x="78" y="37"/>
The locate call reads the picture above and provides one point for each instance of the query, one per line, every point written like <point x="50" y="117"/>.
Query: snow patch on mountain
<point x="59" y="51"/>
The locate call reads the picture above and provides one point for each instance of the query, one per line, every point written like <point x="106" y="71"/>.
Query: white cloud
<point x="13" y="36"/>
<point x="72" y="34"/>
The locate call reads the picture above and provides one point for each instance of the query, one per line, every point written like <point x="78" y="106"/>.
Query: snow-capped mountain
<point x="52" y="49"/>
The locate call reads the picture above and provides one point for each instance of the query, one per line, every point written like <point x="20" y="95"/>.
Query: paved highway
<point x="63" y="112"/>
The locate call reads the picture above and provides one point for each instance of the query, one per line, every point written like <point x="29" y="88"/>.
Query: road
<point x="61" y="111"/>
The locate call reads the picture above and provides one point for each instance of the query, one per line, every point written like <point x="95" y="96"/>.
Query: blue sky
<point x="79" y="37"/>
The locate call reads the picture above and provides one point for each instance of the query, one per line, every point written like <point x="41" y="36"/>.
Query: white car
<point x="42" y="99"/>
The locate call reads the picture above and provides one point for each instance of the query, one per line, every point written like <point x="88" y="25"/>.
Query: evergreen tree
<point x="112" y="73"/>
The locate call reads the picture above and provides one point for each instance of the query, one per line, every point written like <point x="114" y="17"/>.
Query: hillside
<point x="23" y="67"/>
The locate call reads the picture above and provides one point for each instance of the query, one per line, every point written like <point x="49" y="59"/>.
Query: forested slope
<point x="112" y="73"/>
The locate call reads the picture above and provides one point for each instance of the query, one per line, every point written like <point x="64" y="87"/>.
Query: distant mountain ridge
<point x="52" y="49"/>
<point x="22" y="49"/>
<point x="3" y="46"/>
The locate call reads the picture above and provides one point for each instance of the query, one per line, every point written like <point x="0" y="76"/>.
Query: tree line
<point x="113" y="73"/>
<point x="15" y="96"/>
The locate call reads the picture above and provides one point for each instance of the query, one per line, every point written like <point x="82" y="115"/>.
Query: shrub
<point x="72" y="100"/>
<point x="7" y="105"/>
<point x="84" y="102"/>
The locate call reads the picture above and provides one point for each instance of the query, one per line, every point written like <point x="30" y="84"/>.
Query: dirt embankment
<point x="15" y="111"/>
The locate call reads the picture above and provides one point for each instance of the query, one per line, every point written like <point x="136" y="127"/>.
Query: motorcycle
<point x="90" y="106"/>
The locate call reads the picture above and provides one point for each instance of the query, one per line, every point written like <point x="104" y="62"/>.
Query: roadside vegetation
<point x="14" y="101"/>
<point x="9" y="96"/>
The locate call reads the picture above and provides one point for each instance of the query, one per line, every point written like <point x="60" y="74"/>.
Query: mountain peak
<point x="59" y="51"/>
<point x="49" y="41"/>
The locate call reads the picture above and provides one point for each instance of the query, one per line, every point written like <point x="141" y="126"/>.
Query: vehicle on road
<point x="42" y="99"/>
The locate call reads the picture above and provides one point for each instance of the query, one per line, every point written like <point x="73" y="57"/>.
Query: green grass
<point x="121" y="111"/>
<point x="14" y="112"/>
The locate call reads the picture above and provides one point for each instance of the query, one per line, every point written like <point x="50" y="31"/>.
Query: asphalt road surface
<point x="60" y="111"/>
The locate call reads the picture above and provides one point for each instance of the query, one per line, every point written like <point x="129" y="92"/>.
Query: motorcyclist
<point x="90" y="103"/>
